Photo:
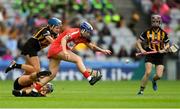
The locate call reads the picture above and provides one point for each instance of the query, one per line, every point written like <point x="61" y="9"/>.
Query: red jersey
<point x="75" y="39"/>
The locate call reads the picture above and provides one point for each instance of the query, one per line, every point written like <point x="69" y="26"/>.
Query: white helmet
<point x="156" y="20"/>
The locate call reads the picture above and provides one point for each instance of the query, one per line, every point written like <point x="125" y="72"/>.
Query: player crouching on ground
<point x="156" y="40"/>
<point x="62" y="49"/>
<point x="24" y="84"/>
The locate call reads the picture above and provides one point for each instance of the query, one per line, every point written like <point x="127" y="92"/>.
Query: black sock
<point x="17" y="66"/>
<point x="156" y="78"/>
<point x="43" y="73"/>
<point x="142" y="88"/>
<point x="18" y="93"/>
<point x="23" y="93"/>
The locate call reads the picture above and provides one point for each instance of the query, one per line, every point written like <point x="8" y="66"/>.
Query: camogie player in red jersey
<point x="61" y="49"/>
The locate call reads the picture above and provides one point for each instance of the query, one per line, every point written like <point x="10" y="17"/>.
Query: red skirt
<point x="54" y="50"/>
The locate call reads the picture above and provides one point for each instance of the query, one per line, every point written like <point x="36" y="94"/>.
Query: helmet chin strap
<point x="83" y="30"/>
<point x="51" y="27"/>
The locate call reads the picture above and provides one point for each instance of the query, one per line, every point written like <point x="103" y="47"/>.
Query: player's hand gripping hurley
<point x="173" y="49"/>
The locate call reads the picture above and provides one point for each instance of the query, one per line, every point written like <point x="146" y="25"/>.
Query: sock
<point x="37" y="87"/>
<point x="17" y="66"/>
<point x="142" y="88"/>
<point x="38" y="75"/>
<point x="23" y="93"/>
<point x="156" y="78"/>
<point x="91" y="73"/>
<point x="87" y="75"/>
<point x="89" y="78"/>
<point x="43" y="73"/>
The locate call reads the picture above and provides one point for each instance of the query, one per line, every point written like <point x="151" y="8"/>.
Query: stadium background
<point x="116" y="27"/>
<point x="117" y="24"/>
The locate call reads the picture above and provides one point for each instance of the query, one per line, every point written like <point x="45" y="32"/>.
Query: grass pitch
<point x="105" y="94"/>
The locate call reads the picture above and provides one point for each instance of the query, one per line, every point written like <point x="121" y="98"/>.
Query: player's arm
<point x="166" y="41"/>
<point x="47" y="35"/>
<point x="165" y="50"/>
<point x="94" y="47"/>
<point x="63" y="43"/>
<point x="166" y="45"/>
<point x="49" y="38"/>
<point x="139" y="45"/>
<point x="141" y="39"/>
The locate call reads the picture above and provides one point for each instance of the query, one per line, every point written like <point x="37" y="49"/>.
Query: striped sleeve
<point x="46" y="32"/>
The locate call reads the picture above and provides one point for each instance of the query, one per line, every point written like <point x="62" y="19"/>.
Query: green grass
<point x="79" y="94"/>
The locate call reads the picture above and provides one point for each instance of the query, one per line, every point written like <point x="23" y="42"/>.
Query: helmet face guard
<point x="156" y="21"/>
<point x="49" y="87"/>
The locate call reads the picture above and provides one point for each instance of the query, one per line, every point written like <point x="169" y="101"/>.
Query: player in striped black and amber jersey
<point x="40" y="40"/>
<point x="154" y="39"/>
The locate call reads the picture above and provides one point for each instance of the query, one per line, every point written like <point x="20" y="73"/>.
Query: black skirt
<point x="17" y="86"/>
<point x="31" y="47"/>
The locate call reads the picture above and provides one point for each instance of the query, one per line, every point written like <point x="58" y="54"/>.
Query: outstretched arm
<point x="94" y="47"/>
<point x="63" y="43"/>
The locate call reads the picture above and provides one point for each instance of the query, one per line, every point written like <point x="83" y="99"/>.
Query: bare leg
<point x="34" y="65"/>
<point x="79" y="63"/>
<point x="27" y="66"/>
<point x="145" y="78"/>
<point x="25" y="80"/>
<point x="159" y="72"/>
<point x="75" y="59"/>
<point x="53" y="67"/>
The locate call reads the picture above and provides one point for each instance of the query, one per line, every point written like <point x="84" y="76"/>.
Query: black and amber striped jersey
<point x="41" y="34"/>
<point x="154" y="39"/>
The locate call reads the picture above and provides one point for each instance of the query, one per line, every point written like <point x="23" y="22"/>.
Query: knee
<point x="147" y="73"/>
<point x="32" y="77"/>
<point x="37" y="69"/>
<point x="159" y="74"/>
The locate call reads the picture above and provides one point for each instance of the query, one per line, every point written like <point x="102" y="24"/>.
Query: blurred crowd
<point x="19" y="19"/>
<point x="170" y="13"/>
